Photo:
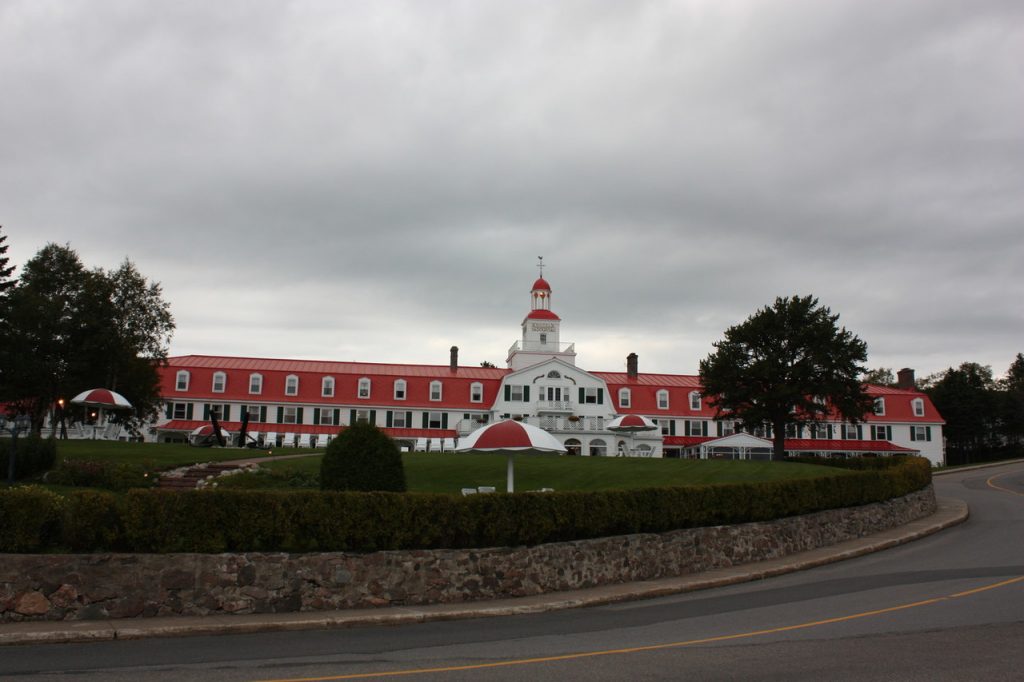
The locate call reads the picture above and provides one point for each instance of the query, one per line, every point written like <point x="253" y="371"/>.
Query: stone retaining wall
<point x="93" y="586"/>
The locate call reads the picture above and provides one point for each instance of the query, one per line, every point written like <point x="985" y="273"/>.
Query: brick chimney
<point x="905" y="379"/>
<point x="454" y="362"/>
<point x="632" y="366"/>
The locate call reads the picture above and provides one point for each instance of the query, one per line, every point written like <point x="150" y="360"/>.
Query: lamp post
<point x="15" y="426"/>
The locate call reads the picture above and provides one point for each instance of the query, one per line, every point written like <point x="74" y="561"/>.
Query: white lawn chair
<point x="449" y="445"/>
<point x="485" y="489"/>
<point x="290" y="439"/>
<point x="421" y="445"/>
<point x="304" y="441"/>
<point x="324" y="440"/>
<point x="434" y="445"/>
<point x="468" y="491"/>
<point x="270" y="439"/>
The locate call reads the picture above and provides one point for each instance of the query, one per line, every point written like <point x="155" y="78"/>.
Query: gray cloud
<point x="375" y="180"/>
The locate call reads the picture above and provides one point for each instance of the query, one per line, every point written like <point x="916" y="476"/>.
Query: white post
<point x="510" y="487"/>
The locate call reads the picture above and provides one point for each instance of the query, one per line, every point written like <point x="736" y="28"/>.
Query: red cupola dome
<point x="541" y="285"/>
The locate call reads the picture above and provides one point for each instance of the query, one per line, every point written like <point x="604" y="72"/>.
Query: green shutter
<point x="389" y="419"/>
<point x="444" y="420"/>
<point x="351" y="417"/>
<point x="928" y="433"/>
<point x="687" y="430"/>
<point x="206" y="412"/>
<point x="508" y="393"/>
<point x="298" y="416"/>
<point x="337" y="417"/>
<point x="316" y="415"/>
<point x="408" y="420"/>
<point x="188" y="411"/>
<point x="888" y="433"/>
<point x="600" y="396"/>
<point x="718" y="425"/>
<point x="263" y="414"/>
<point x="373" y="417"/>
<point x="280" y="415"/>
<point x="425" y="417"/>
<point x="225" y="412"/>
<point x="169" y="410"/>
<point x="703" y="428"/>
<point x="526" y="394"/>
<point x="583" y="395"/>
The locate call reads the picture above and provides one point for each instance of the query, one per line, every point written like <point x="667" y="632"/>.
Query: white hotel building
<point x="428" y="407"/>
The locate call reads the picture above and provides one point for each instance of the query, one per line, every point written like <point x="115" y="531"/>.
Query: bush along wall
<point x="158" y="521"/>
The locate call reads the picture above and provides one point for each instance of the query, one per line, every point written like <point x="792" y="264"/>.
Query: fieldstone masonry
<point x="96" y="586"/>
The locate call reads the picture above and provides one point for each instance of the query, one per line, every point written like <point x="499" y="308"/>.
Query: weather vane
<point x="540" y="265"/>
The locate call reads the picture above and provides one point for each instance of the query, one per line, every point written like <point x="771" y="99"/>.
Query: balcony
<point x="555" y="406"/>
<point x="566" y="424"/>
<point x="537" y="347"/>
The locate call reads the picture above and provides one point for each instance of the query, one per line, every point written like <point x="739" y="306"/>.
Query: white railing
<point x="538" y="347"/>
<point x="567" y="424"/>
<point x="555" y="405"/>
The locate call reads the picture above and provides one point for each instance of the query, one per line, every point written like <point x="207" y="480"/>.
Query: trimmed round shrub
<point x="363" y="458"/>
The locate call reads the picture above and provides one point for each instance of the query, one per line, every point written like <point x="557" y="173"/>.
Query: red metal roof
<point x="542" y="315"/>
<point x="455" y="386"/>
<point x="187" y="425"/>
<point x="541" y="284"/>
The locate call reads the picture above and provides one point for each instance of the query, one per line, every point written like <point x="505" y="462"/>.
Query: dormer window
<point x="181" y="380"/>
<point x="399" y="389"/>
<point x="879" y="407"/>
<point x="364" y="388"/>
<point x="435" y="390"/>
<point x="662" y="399"/>
<point x="625" y="397"/>
<point x="327" y="387"/>
<point x="291" y="385"/>
<point x="695" y="400"/>
<point x="918" y="406"/>
<point x="220" y="380"/>
<point x="255" y="384"/>
<point x="476" y="392"/>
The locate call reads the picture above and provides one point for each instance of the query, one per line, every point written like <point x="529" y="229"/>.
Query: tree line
<point x="66" y="328"/>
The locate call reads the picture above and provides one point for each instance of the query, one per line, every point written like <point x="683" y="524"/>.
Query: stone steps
<point x="190" y="478"/>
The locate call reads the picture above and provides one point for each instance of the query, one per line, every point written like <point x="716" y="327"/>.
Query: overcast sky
<point x="374" y="181"/>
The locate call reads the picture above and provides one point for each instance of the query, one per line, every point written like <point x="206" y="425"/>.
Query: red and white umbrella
<point x="630" y="423"/>
<point x="510" y="438"/>
<point x="207" y="430"/>
<point x="102" y="397"/>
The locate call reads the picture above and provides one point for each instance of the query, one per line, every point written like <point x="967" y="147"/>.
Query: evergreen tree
<point x="966" y="398"/>
<point x="6" y="283"/>
<point x="362" y="457"/>
<point x="787" y="364"/>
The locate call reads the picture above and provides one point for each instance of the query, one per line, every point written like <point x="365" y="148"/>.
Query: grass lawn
<point x="157" y="456"/>
<point x="448" y="473"/>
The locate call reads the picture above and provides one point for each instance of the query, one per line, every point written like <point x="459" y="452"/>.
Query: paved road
<point x="949" y="607"/>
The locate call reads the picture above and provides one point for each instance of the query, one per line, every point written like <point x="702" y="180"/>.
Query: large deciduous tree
<point x="787" y="364"/>
<point x="66" y="329"/>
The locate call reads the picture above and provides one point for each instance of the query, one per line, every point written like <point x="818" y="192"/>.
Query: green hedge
<point x="303" y="521"/>
<point x="34" y="456"/>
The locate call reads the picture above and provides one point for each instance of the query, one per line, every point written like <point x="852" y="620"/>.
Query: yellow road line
<point x="652" y="647"/>
<point x="992" y="485"/>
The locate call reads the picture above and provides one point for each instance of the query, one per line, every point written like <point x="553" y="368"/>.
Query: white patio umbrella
<point x="630" y="423"/>
<point x="510" y="438"/>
